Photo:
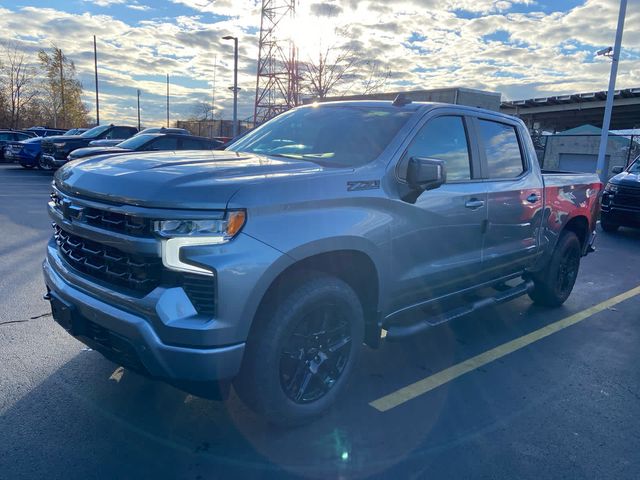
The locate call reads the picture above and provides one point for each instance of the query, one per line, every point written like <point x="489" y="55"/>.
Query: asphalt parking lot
<point x="515" y="391"/>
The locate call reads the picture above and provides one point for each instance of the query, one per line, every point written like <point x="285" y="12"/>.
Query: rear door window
<point x="193" y="144"/>
<point x="164" y="143"/>
<point x="502" y="149"/>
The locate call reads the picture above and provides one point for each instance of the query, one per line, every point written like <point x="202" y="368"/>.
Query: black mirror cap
<point x="617" y="170"/>
<point x="426" y="173"/>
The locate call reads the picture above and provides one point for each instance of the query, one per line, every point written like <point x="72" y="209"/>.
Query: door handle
<point x="533" y="198"/>
<point x="474" y="204"/>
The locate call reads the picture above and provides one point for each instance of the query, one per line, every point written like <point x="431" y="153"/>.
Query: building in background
<point x="455" y="95"/>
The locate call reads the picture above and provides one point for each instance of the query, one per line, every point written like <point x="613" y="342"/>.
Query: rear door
<point x="437" y="242"/>
<point x="514" y="195"/>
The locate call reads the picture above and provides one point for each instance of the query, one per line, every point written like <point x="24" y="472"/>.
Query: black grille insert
<point x="109" y="264"/>
<point x="201" y="290"/>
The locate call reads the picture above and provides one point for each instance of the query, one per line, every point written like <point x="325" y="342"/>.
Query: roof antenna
<point x="401" y="100"/>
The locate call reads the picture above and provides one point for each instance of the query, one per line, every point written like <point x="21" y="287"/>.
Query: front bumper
<point x="131" y="339"/>
<point x="627" y="217"/>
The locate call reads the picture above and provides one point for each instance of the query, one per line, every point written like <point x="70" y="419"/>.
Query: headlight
<point x="222" y="229"/>
<point x="189" y="233"/>
<point x="611" y="188"/>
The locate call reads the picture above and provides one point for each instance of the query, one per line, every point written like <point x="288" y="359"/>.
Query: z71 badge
<point x="363" y="185"/>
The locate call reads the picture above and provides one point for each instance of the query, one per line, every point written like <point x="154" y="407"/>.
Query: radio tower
<point x="277" y="82"/>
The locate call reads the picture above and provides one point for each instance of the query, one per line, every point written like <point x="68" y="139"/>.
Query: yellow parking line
<point x="425" y="385"/>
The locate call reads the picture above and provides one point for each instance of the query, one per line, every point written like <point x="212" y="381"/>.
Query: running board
<point x="402" y="331"/>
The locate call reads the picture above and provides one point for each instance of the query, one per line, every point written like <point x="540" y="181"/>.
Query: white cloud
<point x="139" y="7"/>
<point x="544" y="53"/>
<point x="107" y="3"/>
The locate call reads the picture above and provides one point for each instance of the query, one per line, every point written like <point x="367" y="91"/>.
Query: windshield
<point x="635" y="166"/>
<point x="95" y="131"/>
<point x="334" y="135"/>
<point x="136" y="141"/>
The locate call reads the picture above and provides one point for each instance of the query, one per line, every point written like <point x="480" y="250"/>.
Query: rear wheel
<point x="554" y="284"/>
<point x="299" y="357"/>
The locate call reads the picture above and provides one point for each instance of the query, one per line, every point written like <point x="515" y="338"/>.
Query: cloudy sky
<point x="521" y="48"/>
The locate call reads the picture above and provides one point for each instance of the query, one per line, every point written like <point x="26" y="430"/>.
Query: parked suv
<point x="621" y="199"/>
<point x="270" y="263"/>
<point x="55" y="150"/>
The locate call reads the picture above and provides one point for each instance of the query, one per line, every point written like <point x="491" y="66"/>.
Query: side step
<point x="402" y="331"/>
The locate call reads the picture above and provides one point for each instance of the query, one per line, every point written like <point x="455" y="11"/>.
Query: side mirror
<point x="425" y="173"/>
<point x="617" y="170"/>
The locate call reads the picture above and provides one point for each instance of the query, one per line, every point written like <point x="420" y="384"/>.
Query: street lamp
<point x="235" y="83"/>
<point x="614" y="53"/>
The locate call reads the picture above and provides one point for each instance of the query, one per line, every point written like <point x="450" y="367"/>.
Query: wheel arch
<point x="353" y="266"/>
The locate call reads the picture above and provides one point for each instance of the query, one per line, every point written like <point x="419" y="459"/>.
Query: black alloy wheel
<point x="315" y="355"/>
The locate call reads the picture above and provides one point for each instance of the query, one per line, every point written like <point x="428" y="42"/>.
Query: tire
<point x="608" y="226"/>
<point x="42" y="165"/>
<point x="289" y="374"/>
<point x="554" y="284"/>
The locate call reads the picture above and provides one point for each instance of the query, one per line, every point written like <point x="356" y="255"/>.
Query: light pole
<point x="235" y="83"/>
<point x="138" y="109"/>
<point x="167" y="100"/>
<point x="606" y="121"/>
<point x="95" y="65"/>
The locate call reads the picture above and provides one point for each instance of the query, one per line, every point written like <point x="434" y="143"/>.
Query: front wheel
<point x="43" y="165"/>
<point x="554" y="284"/>
<point x="301" y="352"/>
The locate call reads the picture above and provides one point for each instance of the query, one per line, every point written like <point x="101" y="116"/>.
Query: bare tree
<point x="341" y="66"/>
<point x="201" y="111"/>
<point x="18" y="82"/>
<point x="375" y="77"/>
<point x="320" y="76"/>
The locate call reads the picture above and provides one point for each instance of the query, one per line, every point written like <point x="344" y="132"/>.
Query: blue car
<point x="27" y="153"/>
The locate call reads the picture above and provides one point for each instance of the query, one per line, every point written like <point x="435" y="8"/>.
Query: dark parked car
<point x="55" y="150"/>
<point x="621" y="199"/>
<point x="46" y="132"/>
<point x="7" y="136"/>
<point x="113" y="143"/>
<point x="146" y="142"/>
<point x="28" y="153"/>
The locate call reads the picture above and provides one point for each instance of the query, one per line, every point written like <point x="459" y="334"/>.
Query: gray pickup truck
<point x="268" y="265"/>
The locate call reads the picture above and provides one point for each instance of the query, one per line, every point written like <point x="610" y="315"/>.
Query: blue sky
<point x="521" y="48"/>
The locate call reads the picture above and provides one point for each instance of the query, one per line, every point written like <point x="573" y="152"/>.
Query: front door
<point x="437" y="242"/>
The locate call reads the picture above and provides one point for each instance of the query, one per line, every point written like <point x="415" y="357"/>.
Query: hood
<point x="64" y="138"/>
<point x="87" y="151"/>
<point x="204" y="179"/>
<point x="627" y="179"/>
